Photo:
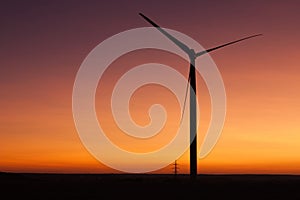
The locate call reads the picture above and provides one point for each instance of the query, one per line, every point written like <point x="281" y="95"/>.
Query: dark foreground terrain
<point x="102" y="186"/>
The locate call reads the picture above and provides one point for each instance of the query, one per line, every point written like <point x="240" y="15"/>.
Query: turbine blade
<point x="229" y="43"/>
<point x="184" y="103"/>
<point x="170" y="37"/>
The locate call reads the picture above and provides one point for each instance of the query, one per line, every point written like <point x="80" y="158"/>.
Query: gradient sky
<point x="43" y="44"/>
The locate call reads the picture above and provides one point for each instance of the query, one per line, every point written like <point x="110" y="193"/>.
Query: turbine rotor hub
<point x="192" y="54"/>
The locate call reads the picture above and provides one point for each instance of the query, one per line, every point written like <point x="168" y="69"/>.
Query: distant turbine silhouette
<point x="192" y="81"/>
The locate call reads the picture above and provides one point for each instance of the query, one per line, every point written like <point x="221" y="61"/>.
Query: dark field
<point x="100" y="186"/>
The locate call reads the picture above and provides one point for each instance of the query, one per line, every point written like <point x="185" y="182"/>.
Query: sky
<point x="43" y="44"/>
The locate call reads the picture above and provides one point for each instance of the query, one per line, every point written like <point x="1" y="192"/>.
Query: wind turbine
<point x="192" y="80"/>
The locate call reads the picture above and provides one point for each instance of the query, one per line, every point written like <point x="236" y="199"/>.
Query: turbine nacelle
<point x="192" y="54"/>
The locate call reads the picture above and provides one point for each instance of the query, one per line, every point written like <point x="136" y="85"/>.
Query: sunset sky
<point x="44" y="43"/>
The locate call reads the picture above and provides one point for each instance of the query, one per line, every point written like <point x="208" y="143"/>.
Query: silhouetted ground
<point x="100" y="186"/>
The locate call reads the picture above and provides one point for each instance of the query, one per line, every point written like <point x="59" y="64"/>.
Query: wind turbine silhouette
<point x="192" y="80"/>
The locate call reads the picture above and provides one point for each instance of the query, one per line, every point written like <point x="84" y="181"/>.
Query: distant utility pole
<point x="175" y="168"/>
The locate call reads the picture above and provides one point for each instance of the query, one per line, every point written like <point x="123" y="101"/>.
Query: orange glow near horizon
<point x="261" y="132"/>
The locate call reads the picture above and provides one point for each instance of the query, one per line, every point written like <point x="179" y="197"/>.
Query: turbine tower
<point x="192" y="81"/>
